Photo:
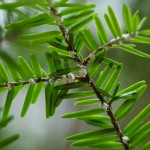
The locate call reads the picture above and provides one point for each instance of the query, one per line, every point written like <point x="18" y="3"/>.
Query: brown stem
<point x="117" y="128"/>
<point x="109" y="45"/>
<point x="87" y="78"/>
<point x="109" y="112"/>
<point x="12" y="84"/>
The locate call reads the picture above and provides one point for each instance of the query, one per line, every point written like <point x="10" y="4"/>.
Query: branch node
<point x="9" y="86"/>
<point x="125" y="139"/>
<point x="31" y="81"/>
<point x="105" y="106"/>
<point x="83" y="72"/>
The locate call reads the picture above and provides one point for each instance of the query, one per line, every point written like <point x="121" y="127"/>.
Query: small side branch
<point x="31" y="81"/>
<point x="116" y="41"/>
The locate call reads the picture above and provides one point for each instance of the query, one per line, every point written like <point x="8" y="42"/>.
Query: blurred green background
<point x="37" y="132"/>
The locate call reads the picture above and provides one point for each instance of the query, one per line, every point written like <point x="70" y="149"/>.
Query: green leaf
<point x="78" y="43"/>
<point x="4" y="122"/>
<point x="26" y="67"/>
<point x="104" y="75"/>
<point x="59" y="51"/>
<point x="114" y="21"/>
<point x="40" y="35"/>
<point x="13" y="5"/>
<point x="86" y="41"/>
<point x="124" y="95"/>
<point x="94" y="67"/>
<point x="131" y="45"/>
<point x="28" y="100"/>
<point x="78" y="8"/>
<point x="70" y="86"/>
<point x="139" y="139"/>
<point x="23" y="73"/>
<point x="49" y="21"/>
<point x="13" y="71"/>
<point x="51" y="97"/>
<point x="28" y="22"/>
<point x="50" y="62"/>
<point x="36" y="66"/>
<point x="139" y="131"/>
<point x="63" y="71"/>
<point x="102" y="35"/>
<point x="141" y="24"/>
<point x="87" y="102"/>
<point x="110" y="25"/>
<point x="56" y="60"/>
<point x="146" y="146"/>
<point x="116" y="89"/>
<point x="2" y="89"/>
<point x="110" y="61"/>
<point x="99" y="124"/>
<point x="100" y="118"/>
<point x="53" y="101"/>
<point x="133" y="87"/>
<point x="1" y="80"/>
<point x="37" y="90"/>
<point x="135" y="21"/>
<point x="48" y="97"/>
<point x="64" y="1"/>
<point x="141" y="39"/>
<point x="3" y="74"/>
<point x="5" y="142"/>
<point x="110" y="145"/>
<point x="66" y="64"/>
<point x="69" y="11"/>
<point x="132" y="126"/>
<point x="104" y="93"/>
<point x="60" y="3"/>
<point x="9" y="99"/>
<point x="76" y="18"/>
<point x="95" y="141"/>
<point x="79" y="26"/>
<point x="113" y="79"/>
<point x="132" y="50"/>
<point x="64" y="56"/>
<point x="145" y="32"/>
<point x="11" y="65"/>
<point x="45" y="40"/>
<point x="83" y="113"/>
<point x="45" y="74"/>
<point x="78" y="5"/>
<point x="71" y="37"/>
<point x="127" y="18"/>
<point x="59" y="100"/>
<point x="123" y="110"/>
<point x="83" y="94"/>
<point x="91" y="134"/>
<point x="58" y="45"/>
<point x="91" y="39"/>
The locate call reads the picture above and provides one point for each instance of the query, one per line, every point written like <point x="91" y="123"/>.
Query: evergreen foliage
<point x="8" y="140"/>
<point x="68" y="68"/>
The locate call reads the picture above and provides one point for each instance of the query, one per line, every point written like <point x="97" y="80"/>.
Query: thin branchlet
<point x="39" y="80"/>
<point x="116" y="41"/>
<point x="31" y="81"/>
<point x="87" y="78"/>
